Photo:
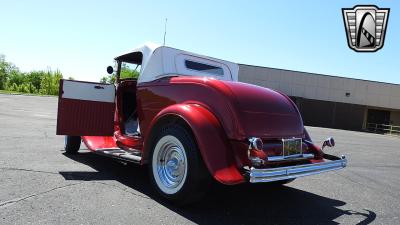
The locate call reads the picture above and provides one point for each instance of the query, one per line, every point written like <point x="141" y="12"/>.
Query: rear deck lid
<point x="266" y="113"/>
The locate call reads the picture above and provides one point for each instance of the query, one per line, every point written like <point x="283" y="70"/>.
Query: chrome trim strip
<point x="283" y="158"/>
<point x="119" y="154"/>
<point x="290" y="172"/>
<point x="107" y="149"/>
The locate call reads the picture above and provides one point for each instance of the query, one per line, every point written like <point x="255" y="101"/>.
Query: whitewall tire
<point x="176" y="167"/>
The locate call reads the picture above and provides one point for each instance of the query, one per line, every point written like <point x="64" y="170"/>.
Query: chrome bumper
<point x="290" y="172"/>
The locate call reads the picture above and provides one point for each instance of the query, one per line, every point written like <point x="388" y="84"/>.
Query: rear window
<point x="204" y="67"/>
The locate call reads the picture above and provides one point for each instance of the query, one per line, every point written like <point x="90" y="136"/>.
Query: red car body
<point x="222" y="115"/>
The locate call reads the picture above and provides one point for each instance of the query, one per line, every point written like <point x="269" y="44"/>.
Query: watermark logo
<point x="365" y="27"/>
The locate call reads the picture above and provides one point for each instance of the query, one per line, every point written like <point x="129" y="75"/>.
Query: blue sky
<point x="81" y="38"/>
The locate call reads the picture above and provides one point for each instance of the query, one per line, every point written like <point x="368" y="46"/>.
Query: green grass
<point x="9" y="92"/>
<point x="20" y="93"/>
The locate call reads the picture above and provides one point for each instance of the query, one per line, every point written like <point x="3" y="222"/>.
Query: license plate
<point x="292" y="146"/>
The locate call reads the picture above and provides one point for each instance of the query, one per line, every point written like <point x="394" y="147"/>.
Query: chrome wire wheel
<point x="169" y="164"/>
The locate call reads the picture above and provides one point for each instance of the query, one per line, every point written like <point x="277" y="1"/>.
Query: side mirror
<point x="110" y="69"/>
<point x="330" y="142"/>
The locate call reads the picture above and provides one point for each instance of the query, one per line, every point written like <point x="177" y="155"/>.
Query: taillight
<point x="255" y="143"/>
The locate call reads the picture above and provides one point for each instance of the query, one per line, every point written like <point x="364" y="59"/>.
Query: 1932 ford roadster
<point x="189" y="119"/>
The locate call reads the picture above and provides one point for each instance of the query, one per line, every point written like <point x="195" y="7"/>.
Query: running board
<point x="121" y="154"/>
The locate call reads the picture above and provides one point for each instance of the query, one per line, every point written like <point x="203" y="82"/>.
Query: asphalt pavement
<point x="39" y="184"/>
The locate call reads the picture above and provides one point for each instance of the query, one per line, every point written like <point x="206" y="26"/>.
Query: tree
<point x="6" y="70"/>
<point x="126" y="72"/>
<point x="3" y="72"/>
<point x="50" y="83"/>
<point x="109" y="79"/>
<point x="43" y="82"/>
<point x="35" y="78"/>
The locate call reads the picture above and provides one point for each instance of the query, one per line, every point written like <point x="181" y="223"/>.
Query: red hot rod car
<point x="189" y="119"/>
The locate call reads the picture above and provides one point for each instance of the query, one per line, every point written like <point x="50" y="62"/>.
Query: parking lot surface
<point x="41" y="185"/>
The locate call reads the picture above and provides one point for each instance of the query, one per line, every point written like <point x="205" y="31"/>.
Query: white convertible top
<point x="162" y="61"/>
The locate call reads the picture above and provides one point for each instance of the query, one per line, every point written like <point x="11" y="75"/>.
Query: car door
<point x="85" y="108"/>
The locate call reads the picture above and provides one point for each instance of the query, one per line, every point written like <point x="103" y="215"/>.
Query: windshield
<point x="129" y="70"/>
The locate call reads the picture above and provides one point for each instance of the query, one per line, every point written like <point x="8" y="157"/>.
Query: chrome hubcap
<point x="169" y="164"/>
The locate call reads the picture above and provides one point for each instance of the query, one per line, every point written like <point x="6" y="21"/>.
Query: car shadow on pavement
<point x="239" y="204"/>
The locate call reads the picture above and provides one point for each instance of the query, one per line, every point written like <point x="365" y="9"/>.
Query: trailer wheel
<point x="72" y="144"/>
<point x="176" y="168"/>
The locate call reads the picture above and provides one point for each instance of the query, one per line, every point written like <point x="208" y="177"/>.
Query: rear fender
<point x="210" y="138"/>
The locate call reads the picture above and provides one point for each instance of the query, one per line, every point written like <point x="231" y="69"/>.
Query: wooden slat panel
<point x="85" y="118"/>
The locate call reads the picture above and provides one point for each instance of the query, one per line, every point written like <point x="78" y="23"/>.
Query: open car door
<point x="85" y="109"/>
